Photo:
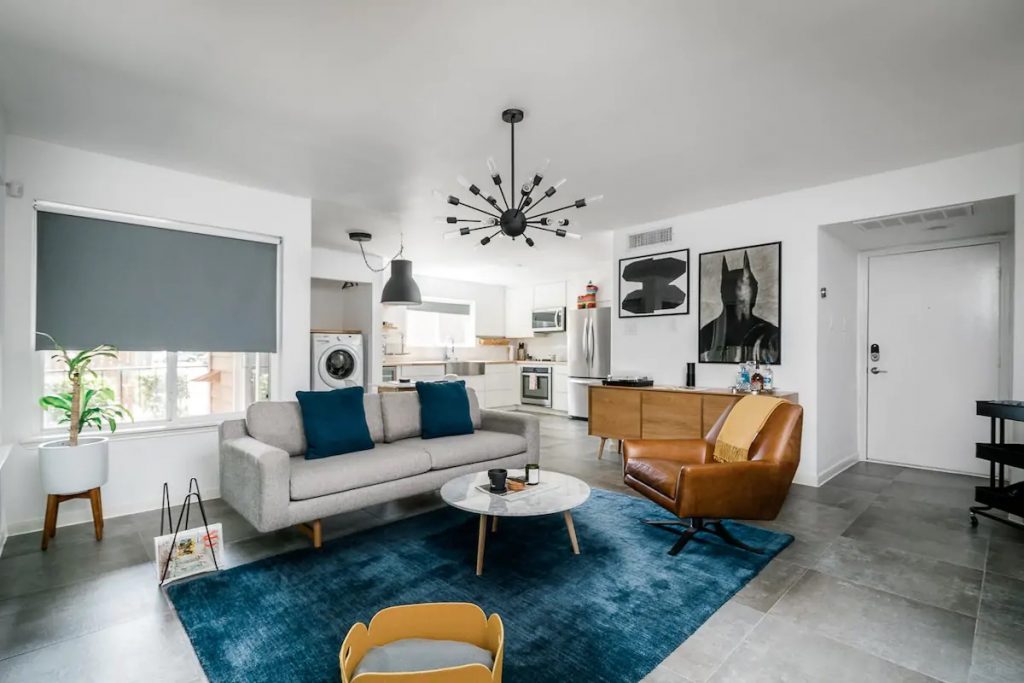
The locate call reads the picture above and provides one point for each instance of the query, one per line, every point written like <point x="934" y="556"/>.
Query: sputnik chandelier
<point x="516" y="217"/>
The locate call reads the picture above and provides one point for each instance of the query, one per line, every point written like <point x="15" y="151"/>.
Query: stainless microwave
<point x="549" y="319"/>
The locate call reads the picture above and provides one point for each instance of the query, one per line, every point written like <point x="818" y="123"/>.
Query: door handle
<point x="876" y="371"/>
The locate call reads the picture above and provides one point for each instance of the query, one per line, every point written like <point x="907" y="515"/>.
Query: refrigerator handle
<point x="593" y="341"/>
<point x="586" y="340"/>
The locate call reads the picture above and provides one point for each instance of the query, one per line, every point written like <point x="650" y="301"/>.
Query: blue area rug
<point x="612" y="613"/>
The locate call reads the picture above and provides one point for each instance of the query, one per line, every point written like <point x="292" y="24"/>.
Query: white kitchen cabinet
<point x="550" y="295"/>
<point x="560" y="387"/>
<point x="421" y="372"/>
<point x="501" y="383"/>
<point x="519" y="312"/>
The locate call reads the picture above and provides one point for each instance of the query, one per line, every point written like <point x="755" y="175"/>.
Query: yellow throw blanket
<point x="742" y="425"/>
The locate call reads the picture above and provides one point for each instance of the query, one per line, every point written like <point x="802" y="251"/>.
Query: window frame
<point x="173" y="421"/>
<point x="471" y="340"/>
<point x="151" y="427"/>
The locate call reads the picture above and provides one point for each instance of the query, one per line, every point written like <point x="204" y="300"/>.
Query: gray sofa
<point x="264" y="476"/>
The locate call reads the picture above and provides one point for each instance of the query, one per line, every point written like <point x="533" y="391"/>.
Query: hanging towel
<point x="742" y="426"/>
<point x="534" y="383"/>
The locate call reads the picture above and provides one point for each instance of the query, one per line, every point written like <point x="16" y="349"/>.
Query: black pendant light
<point x="515" y="218"/>
<point x="400" y="289"/>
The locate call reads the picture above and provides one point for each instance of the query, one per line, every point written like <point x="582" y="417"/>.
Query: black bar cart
<point x="999" y="495"/>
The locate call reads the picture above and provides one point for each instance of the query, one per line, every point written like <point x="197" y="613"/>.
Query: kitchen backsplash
<point x="549" y="346"/>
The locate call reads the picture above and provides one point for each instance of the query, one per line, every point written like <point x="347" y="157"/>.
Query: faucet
<point x="449" y="349"/>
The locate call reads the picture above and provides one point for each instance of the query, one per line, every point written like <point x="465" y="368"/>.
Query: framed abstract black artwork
<point x="655" y="284"/>
<point x="740" y="308"/>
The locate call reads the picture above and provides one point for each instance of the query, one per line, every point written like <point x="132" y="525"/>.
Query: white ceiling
<point x="664" y="107"/>
<point x="984" y="219"/>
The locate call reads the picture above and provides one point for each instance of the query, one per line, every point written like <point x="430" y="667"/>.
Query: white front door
<point x="935" y="318"/>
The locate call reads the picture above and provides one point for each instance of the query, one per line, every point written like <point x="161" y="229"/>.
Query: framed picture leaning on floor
<point x="740" y="307"/>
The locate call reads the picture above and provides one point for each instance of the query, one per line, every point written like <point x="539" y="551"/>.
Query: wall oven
<point x="535" y="386"/>
<point x="549" y="319"/>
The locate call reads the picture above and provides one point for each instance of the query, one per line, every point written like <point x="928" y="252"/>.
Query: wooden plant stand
<point x="53" y="502"/>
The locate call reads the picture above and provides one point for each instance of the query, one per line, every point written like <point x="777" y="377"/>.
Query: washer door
<point x="337" y="365"/>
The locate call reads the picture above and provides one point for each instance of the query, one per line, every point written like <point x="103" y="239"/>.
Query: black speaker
<point x="691" y="375"/>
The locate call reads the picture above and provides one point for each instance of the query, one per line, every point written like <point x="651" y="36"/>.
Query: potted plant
<point x="78" y="463"/>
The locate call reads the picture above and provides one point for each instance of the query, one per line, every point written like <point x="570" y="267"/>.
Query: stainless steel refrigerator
<point x="588" y="336"/>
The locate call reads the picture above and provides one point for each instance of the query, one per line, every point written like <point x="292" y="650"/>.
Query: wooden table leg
<point x="97" y="512"/>
<point x="50" y="520"/>
<point x="600" y="449"/>
<point x="572" y="532"/>
<point x="482" y="538"/>
<point x="494" y="524"/>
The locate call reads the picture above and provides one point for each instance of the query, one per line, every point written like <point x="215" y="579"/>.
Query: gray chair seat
<point x="385" y="462"/>
<point x="421" y="654"/>
<point x="481" y="445"/>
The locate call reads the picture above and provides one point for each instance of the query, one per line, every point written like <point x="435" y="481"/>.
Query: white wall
<point x="337" y="265"/>
<point x="837" y="356"/>
<point x="139" y="465"/>
<point x="3" y="199"/>
<point x="661" y="346"/>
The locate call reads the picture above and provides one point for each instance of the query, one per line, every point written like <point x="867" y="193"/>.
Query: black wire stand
<point x="999" y="494"/>
<point x="186" y="507"/>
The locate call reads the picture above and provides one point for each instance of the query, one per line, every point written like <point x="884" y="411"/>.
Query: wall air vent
<point x="917" y="218"/>
<point x="650" y="237"/>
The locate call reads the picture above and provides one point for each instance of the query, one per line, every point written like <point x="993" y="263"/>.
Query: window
<point x="168" y="387"/>
<point x="437" y="322"/>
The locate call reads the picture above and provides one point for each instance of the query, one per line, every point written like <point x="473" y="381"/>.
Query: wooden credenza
<point x="658" y="412"/>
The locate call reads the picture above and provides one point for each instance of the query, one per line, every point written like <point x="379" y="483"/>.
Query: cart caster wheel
<point x="974" y="519"/>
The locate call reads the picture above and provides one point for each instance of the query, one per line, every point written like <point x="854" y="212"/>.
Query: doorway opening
<point x="914" y="327"/>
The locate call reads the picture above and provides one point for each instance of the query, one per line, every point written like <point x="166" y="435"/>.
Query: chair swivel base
<point x="694" y="525"/>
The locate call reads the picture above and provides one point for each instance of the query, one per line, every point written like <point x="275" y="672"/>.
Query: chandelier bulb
<point x="492" y="167"/>
<point x="527" y="188"/>
<point x="564" y="222"/>
<point x="545" y="221"/>
<point x="438" y="195"/>
<point x="452" y="234"/>
<point x="595" y="199"/>
<point x="559" y="183"/>
<point x="461" y="180"/>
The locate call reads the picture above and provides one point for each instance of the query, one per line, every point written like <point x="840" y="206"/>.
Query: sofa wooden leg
<point x="314" y="530"/>
<point x="600" y="449"/>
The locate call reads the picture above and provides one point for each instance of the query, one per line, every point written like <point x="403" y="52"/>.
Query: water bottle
<point x="769" y="379"/>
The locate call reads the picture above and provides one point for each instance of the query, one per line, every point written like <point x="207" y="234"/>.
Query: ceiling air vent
<point x="646" y="239"/>
<point x="917" y="218"/>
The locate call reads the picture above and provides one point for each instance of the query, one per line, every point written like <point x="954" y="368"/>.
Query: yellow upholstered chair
<point x="454" y="621"/>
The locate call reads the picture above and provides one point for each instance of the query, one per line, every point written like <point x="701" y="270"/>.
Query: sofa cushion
<point x="411" y="655"/>
<point x="277" y="424"/>
<point x="480" y="446"/>
<point x="324" y="476"/>
<point x="400" y="411"/>
<point x="335" y="422"/>
<point x="444" y="409"/>
<point x="374" y="419"/>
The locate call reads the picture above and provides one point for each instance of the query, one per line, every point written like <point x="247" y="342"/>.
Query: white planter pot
<point x="72" y="469"/>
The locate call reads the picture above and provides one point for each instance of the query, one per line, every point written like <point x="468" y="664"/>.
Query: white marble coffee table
<point x="556" y="493"/>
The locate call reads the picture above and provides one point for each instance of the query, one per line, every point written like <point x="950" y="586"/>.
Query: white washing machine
<point x="338" y="361"/>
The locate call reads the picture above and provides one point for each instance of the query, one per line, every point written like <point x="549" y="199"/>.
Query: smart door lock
<point x="875" y="356"/>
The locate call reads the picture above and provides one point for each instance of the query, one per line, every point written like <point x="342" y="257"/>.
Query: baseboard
<point x="82" y="513"/>
<point x="840" y="467"/>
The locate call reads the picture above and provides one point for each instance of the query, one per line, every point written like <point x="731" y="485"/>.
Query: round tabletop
<point x="556" y="492"/>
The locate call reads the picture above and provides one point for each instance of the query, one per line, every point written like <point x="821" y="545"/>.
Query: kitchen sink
<point x="464" y="368"/>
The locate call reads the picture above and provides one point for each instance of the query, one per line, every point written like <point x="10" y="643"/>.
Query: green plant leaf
<point x="57" y="402"/>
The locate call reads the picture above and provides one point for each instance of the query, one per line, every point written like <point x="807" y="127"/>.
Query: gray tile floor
<point x="886" y="581"/>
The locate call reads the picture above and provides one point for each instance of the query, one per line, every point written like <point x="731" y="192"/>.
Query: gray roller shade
<point x="143" y="288"/>
<point x="442" y="307"/>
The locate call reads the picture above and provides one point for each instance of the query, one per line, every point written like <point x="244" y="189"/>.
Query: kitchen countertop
<point x="390" y="362"/>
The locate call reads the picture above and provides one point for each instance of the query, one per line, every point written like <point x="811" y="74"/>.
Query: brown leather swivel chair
<point x="682" y="476"/>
